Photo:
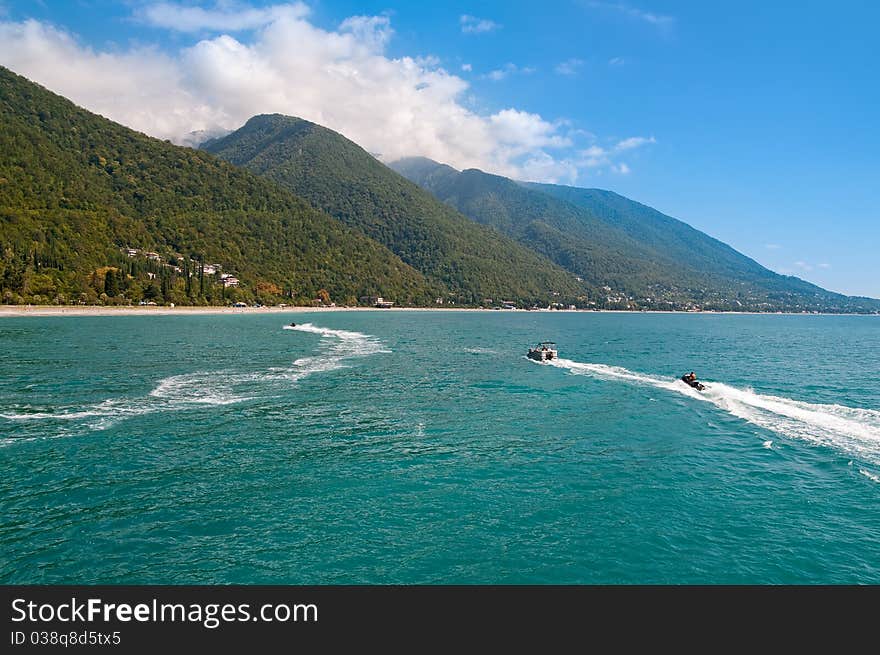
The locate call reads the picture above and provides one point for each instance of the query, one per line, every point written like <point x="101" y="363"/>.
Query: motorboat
<point x="543" y="352"/>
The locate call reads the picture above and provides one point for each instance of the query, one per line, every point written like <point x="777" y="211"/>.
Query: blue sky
<point x="753" y="121"/>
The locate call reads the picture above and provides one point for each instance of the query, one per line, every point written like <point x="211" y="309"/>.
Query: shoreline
<point x="16" y="311"/>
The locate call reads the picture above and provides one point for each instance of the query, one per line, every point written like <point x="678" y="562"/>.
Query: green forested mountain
<point x="76" y="190"/>
<point x="674" y="238"/>
<point x="93" y="212"/>
<point x="645" y="258"/>
<point x="472" y="261"/>
<point x="698" y="250"/>
<point x="570" y="236"/>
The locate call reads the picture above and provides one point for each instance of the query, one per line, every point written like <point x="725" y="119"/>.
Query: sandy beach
<point x="91" y="310"/>
<point x="12" y="311"/>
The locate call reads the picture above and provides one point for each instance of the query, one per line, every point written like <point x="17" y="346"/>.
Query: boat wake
<point x="871" y="476"/>
<point x="337" y="346"/>
<point x="481" y="351"/>
<point x="342" y="344"/>
<point x="205" y="388"/>
<point x="852" y="430"/>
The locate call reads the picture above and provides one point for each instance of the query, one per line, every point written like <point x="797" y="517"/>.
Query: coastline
<point x="12" y="311"/>
<point x="16" y="311"/>
<point x="95" y="310"/>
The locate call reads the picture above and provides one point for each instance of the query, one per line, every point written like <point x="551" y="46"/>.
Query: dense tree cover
<point x="76" y="190"/>
<point x="472" y="261"/>
<point x="681" y="242"/>
<point x="93" y="212"/>
<point x="636" y="256"/>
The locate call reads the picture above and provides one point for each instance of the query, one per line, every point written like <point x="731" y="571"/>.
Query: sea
<point x="394" y="447"/>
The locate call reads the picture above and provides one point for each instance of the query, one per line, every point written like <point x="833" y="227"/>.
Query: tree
<point x="111" y="283"/>
<point x="267" y="291"/>
<point x="187" y="277"/>
<point x="152" y="291"/>
<point x="166" y="288"/>
<point x="41" y="284"/>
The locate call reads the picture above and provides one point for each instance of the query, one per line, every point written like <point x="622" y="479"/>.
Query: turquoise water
<point x="422" y="447"/>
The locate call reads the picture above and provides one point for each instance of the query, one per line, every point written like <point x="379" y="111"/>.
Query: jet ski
<point x="691" y="380"/>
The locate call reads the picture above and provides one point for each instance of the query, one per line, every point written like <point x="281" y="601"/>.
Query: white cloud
<point x="569" y="66"/>
<point x="374" y="32"/>
<point x="824" y="265"/>
<point x="467" y="68"/>
<point x="616" y="61"/>
<point x="594" y="157"/>
<point x="541" y="167"/>
<point x="804" y="266"/>
<point x="772" y="246"/>
<point x="507" y="70"/>
<point x="634" y="12"/>
<point x="633" y="142"/>
<point x="597" y="158"/>
<point x="142" y="87"/>
<point x="224" y="16"/>
<point x="473" y="25"/>
<point x="525" y="131"/>
<point x="339" y="78"/>
<point x="428" y="61"/>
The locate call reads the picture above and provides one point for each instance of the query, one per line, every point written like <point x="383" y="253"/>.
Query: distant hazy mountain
<point x="77" y="190"/>
<point x="613" y="242"/>
<point x="470" y="261"/>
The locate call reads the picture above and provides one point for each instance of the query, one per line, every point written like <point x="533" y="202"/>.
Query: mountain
<point x="570" y="236"/>
<point x="684" y="243"/>
<point x="635" y="255"/>
<point x="472" y="262"/>
<point x="674" y="238"/>
<point x="91" y="211"/>
<point x="77" y="191"/>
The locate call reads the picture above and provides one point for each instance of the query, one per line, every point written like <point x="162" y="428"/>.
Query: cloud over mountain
<point x="245" y="61"/>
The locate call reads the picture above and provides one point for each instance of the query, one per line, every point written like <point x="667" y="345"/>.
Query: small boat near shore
<point x="543" y="352"/>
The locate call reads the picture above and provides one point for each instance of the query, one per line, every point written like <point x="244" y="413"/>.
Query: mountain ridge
<point x="338" y="176"/>
<point x="667" y="262"/>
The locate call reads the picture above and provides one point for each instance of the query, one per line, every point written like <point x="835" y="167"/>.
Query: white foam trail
<point x="63" y="415"/>
<point x="197" y="388"/>
<point x="850" y="429"/>
<point x="872" y="477"/>
<point x="481" y="351"/>
<point x="105" y="408"/>
<point x="96" y="417"/>
<point x="179" y="392"/>
<point x="217" y="388"/>
<point x="337" y="346"/>
<point x="350" y="344"/>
